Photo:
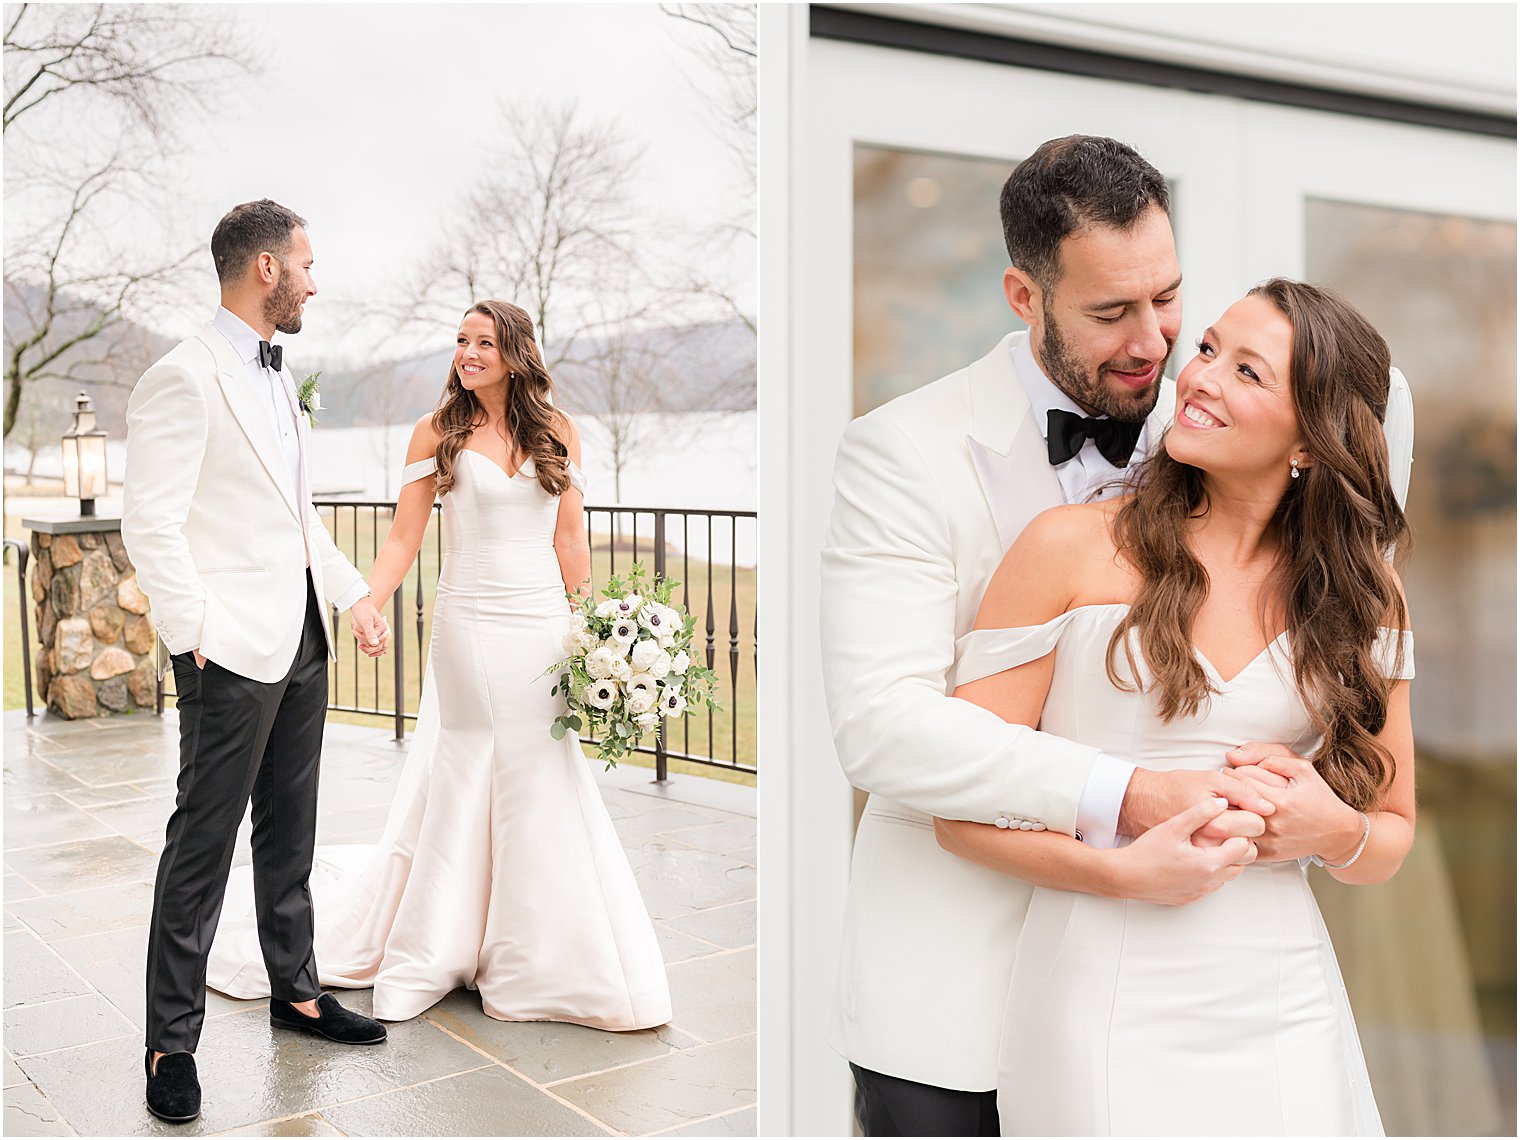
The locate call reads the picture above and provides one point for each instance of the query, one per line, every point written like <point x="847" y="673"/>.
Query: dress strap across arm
<point x="1393" y="651"/>
<point x="983" y="652"/>
<point x="422" y="468"/>
<point x="577" y="477"/>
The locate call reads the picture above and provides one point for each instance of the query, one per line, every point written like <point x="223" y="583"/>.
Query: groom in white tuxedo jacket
<point x="930" y="490"/>
<point x="239" y="569"/>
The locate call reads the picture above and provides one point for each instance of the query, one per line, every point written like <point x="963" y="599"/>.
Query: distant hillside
<point x="108" y="366"/>
<point x="707" y="367"/>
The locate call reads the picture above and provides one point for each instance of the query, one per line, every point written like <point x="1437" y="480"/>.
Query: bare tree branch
<point x="544" y="231"/>
<point x="73" y="279"/>
<point x="146" y="60"/>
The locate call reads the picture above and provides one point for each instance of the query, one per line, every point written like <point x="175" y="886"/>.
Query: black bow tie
<point x="1115" y="439"/>
<point x="270" y="355"/>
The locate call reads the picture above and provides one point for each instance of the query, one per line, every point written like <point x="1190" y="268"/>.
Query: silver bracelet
<point x="1355" y="855"/>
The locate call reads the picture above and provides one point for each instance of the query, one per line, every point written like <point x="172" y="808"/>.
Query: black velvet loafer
<point x="174" y="1091"/>
<point x="335" y="1023"/>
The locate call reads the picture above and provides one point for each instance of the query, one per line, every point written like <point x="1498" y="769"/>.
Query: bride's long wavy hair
<point x="534" y="428"/>
<point x="1335" y="526"/>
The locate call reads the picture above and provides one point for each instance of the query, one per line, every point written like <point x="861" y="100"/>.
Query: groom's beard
<point x="282" y="308"/>
<point x="1071" y="375"/>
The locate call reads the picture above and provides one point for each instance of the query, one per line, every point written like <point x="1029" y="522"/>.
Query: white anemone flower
<point x="602" y="694"/>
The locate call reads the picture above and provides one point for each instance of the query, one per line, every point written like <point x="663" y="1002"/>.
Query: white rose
<point x="659" y="668"/>
<point x="601" y="694"/>
<point x="679" y="663"/>
<point x="640" y="700"/>
<point x="647" y="720"/>
<point x="645" y="652"/>
<point x="624" y="630"/>
<point x="608" y="609"/>
<point x="621" y="670"/>
<point x="599" y="662"/>
<point x="584" y="640"/>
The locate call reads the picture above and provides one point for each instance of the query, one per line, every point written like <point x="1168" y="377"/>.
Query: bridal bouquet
<point x="628" y="665"/>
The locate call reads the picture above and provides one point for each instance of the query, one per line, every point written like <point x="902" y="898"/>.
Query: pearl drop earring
<point x="1294" y="464"/>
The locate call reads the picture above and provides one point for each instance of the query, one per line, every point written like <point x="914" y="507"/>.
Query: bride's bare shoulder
<point x="1055" y="563"/>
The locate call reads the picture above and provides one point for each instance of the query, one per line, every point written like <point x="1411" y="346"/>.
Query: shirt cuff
<point x="346" y="600"/>
<point x="1098" y="809"/>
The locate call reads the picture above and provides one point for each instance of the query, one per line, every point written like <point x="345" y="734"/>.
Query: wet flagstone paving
<point x="85" y="808"/>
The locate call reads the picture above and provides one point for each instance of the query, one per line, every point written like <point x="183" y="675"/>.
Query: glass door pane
<point x="1429" y="957"/>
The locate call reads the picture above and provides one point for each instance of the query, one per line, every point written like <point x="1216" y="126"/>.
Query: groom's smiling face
<point x="1105" y="328"/>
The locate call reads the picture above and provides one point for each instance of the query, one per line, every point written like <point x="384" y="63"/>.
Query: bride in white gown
<point x="499" y="868"/>
<point x="1241" y="594"/>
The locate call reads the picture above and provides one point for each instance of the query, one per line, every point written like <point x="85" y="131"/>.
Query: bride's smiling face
<point x="1235" y="412"/>
<point x="477" y="353"/>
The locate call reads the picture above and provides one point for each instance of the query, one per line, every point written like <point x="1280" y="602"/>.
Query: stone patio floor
<point x="85" y="804"/>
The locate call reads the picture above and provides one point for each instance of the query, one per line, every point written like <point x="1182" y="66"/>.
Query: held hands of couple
<point x="1308" y="818"/>
<point x="1154" y="797"/>
<point x="1169" y="866"/>
<point x="370" y="629"/>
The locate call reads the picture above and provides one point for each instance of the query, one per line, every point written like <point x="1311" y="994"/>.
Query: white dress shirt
<point x="280" y="399"/>
<point x="1080" y="477"/>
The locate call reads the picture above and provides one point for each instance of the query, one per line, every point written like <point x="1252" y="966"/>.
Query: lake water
<point x="694" y="461"/>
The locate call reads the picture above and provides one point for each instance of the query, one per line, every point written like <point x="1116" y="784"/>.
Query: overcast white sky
<point x="372" y="119"/>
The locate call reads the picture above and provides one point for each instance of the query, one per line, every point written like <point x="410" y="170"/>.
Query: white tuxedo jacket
<point x="930" y="491"/>
<point x="218" y="535"/>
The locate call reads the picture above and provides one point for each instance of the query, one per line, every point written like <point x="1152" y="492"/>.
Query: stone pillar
<point x="96" y="643"/>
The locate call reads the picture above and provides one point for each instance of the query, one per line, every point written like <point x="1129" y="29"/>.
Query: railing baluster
<point x="733" y="633"/>
<point x="712" y="740"/>
<point x="398" y="652"/>
<point x="661" y="759"/>
<point x="23" y="556"/>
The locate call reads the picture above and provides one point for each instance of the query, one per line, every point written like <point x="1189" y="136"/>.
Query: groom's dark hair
<point x="1070" y="183"/>
<point x="247" y="231"/>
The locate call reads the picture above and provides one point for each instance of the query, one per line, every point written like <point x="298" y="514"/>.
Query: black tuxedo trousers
<point x="892" y="1106"/>
<point x="239" y="740"/>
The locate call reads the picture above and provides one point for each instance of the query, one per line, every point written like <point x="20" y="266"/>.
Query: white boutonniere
<point x="309" y="396"/>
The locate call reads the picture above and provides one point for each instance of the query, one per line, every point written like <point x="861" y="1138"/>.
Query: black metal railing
<point x="23" y="556"/>
<point x="697" y="547"/>
<point x="709" y="552"/>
